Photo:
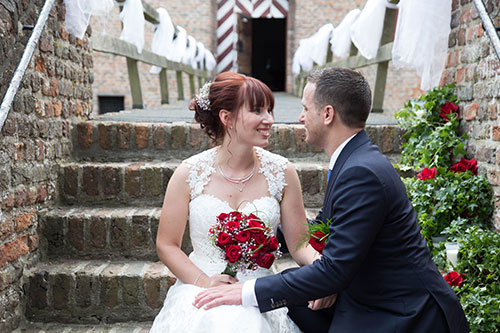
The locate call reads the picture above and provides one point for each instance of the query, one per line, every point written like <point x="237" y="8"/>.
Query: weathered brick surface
<point x="99" y="233"/>
<point x="473" y="66"/>
<point x="147" y="182"/>
<point x="96" y="291"/>
<point x="35" y="137"/>
<point x="185" y="140"/>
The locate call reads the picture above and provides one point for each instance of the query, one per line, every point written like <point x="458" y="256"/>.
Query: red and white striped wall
<point x="226" y="25"/>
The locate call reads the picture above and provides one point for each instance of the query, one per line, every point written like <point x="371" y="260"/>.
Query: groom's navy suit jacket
<point x="375" y="259"/>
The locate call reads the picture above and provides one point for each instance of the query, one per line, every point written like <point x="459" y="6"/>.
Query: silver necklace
<point x="242" y="180"/>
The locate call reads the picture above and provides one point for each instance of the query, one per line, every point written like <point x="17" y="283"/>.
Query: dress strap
<point x="201" y="167"/>
<point x="273" y="168"/>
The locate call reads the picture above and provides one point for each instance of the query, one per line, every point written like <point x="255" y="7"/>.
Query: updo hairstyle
<point x="230" y="91"/>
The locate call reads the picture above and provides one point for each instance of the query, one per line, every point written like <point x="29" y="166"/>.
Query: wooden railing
<point x="354" y="61"/>
<point x="112" y="45"/>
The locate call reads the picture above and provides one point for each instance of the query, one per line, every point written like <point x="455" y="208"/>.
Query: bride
<point x="240" y="175"/>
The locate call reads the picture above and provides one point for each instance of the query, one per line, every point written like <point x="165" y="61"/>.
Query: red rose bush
<point x="245" y="242"/>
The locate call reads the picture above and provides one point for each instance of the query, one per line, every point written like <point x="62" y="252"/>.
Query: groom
<point x="375" y="259"/>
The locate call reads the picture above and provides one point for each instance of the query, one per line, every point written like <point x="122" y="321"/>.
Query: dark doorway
<point x="110" y="103"/>
<point x="269" y="52"/>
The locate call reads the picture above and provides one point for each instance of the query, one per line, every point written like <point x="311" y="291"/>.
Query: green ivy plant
<point x="448" y="197"/>
<point x="479" y="264"/>
<point x="429" y="141"/>
<point x="452" y="201"/>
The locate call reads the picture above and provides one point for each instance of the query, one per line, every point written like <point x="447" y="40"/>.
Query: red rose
<point x="459" y="166"/>
<point x="233" y="253"/>
<point x="465" y="165"/>
<point x="454" y="279"/>
<point x="472" y="166"/>
<point x="232" y="225"/>
<point x="224" y="239"/>
<point x="317" y="241"/>
<point x="222" y="216"/>
<point x="427" y="173"/>
<point x="236" y="216"/>
<point x="252" y="217"/>
<point x="255" y="226"/>
<point x="265" y="260"/>
<point x="260" y="238"/>
<point x="448" y="108"/>
<point x="243" y="236"/>
<point x="273" y="243"/>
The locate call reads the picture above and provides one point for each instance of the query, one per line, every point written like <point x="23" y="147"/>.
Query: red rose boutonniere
<point x="454" y="279"/>
<point x="317" y="235"/>
<point x="245" y="242"/>
<point x="427" y="173"/>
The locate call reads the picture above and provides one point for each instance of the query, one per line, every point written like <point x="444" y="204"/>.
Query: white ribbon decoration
<point x="320" y="44"/>
<point x="366" y="31"/>
<point x="162" y="39"/>
<point x="190" y="53"/>
<point x="78" y="13"/>
<point x="421" y="40"/>
<point x="200" y="55"/>
<point x="341" y="37"/>
<point x="133" y="20"/>
<point x="209" y="60"/>
<point x="179" y="45"/>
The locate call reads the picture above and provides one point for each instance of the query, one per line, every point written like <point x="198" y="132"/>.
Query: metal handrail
<point x="488" y="26"/>
<point x="24" y="62"/>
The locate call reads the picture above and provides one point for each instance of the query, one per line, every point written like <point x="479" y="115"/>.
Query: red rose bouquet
<point x="245" y="241"/>
<point x="318" y="234"/>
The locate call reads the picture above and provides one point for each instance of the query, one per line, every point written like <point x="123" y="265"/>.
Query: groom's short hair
<point x="347" y="91"/>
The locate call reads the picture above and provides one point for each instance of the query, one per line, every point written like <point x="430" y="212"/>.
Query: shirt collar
<point x="337" y="152"/>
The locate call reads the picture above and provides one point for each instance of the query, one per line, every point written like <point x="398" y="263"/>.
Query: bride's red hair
<point x="230" y="91"/>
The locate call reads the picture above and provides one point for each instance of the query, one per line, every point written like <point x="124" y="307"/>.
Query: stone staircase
<point x="99" y="268"/>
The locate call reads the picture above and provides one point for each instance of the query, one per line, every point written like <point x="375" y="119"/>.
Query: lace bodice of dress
<point x="203" y="207"/>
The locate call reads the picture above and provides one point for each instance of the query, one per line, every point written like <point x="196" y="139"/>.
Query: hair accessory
<point x="202" y="97"/>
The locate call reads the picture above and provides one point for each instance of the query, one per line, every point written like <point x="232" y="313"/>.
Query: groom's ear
<point x="328" y="115"/>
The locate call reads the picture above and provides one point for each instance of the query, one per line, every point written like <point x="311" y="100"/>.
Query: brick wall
<point x="110" y="72"/>
<point x="473" y="65"/>
<point x="36" y="134"/>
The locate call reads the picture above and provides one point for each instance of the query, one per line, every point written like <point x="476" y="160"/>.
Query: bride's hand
<point x="322" y="303"/>
<point x="216" y="280"/>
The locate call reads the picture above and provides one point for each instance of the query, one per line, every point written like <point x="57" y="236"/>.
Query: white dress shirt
<point x="248" y="297"/>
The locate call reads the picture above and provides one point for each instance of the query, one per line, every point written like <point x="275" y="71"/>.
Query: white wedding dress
<point x="178" y="313"/>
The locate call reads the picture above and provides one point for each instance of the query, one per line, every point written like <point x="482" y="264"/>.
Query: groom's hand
<point x="221" y="295"/>
<point x="322" y="303"/>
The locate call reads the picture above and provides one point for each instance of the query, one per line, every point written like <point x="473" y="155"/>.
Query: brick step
<point x="95" y="292"/>
<point x="116" y="141"/>
<point x="129" y="327"/>
<point x="98" y="292"/>
<point x="131" y="183"/>
<point x="105" y="233"/>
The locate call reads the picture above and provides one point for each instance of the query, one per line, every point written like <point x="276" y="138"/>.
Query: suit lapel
<point x="360" y="139"/>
